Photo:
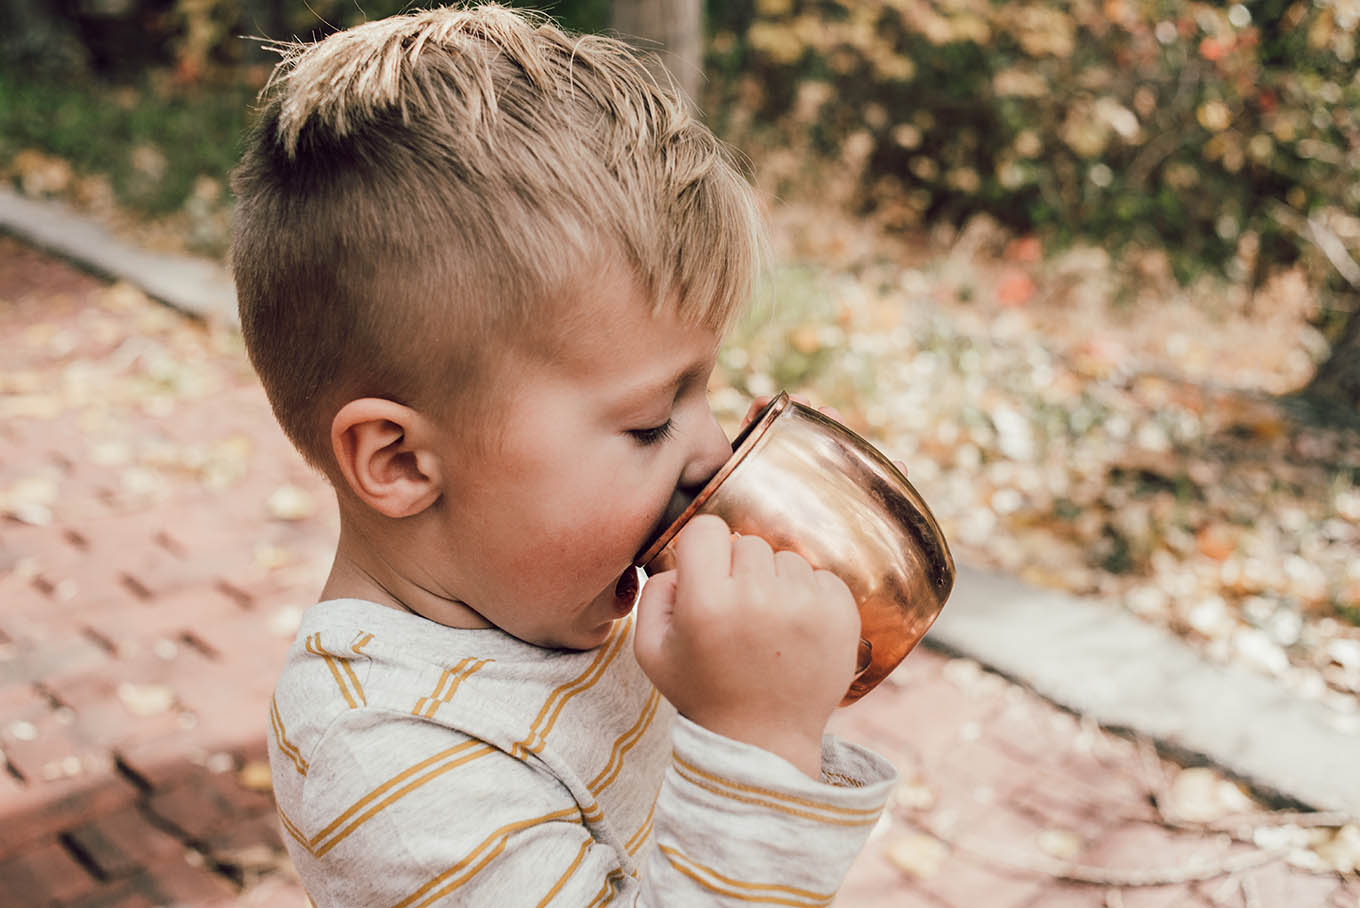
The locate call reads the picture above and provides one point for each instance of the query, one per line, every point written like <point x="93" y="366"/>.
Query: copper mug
<point x="804" y="482"/>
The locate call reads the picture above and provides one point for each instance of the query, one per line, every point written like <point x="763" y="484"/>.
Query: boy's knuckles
<point x="833" y="588"/>
<point x="752" y="555"/>
<point x="703" y="543"/>
<point x="705" y="524"/>
<point x="793" y="566"/>
<point x="751" y="591"/>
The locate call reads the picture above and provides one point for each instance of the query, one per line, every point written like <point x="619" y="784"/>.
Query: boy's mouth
<point x="627" y="586"/>
<point x="626" y="590"/>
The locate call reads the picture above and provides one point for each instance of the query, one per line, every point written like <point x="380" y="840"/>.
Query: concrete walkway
<point x="162" y="537"/>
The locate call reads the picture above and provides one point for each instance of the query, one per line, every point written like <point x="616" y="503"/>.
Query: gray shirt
<point x="416" y="764"/>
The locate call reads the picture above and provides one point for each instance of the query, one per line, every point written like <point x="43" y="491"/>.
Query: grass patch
<point x="151" y="139"/>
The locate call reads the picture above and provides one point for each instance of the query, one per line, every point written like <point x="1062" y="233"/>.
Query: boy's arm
<point x="736" y="824"/>
<point x="754" y="648"/>
<point x="400" y="812"/>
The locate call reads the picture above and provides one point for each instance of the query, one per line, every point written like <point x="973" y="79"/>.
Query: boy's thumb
<point x="654" y="609"/>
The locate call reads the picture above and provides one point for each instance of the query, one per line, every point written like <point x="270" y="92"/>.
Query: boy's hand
<point x="749" y="643"/>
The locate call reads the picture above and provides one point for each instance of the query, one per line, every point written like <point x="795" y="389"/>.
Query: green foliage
<point x="152" y="141"/>
<point x="1181" y="125"/>
<point x="163" y="94"/>
<point x="323" y="15"/>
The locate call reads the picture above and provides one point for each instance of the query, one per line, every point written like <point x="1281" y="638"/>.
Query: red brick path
<point x="158" y="538"/>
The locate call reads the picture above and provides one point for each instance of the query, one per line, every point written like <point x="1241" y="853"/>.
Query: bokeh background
<point x="1089" y="268"/>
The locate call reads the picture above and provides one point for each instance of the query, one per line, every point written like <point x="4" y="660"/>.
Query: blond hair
<point x="420" y="188"/>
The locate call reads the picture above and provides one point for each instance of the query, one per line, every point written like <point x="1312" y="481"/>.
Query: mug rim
<point x="746" y="442"/>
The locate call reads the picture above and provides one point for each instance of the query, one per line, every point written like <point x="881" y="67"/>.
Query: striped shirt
<point x="418" y="765"/>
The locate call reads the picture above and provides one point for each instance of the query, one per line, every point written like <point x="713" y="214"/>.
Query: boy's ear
<point x="386" y="453"/>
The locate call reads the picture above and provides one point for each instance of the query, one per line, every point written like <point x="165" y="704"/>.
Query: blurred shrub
<point x="121" y="37"/>
<point x="152" y="141"/>
<point x="1180" y="125"/>
<point x="145" y="102"/>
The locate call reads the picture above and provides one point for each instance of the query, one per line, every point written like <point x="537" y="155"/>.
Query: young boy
<point x="483" y="270"/>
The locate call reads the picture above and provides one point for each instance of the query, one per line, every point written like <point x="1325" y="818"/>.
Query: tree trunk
<point x="35" y="35"/>
<point x="671" y="29"/>
<point x="263" y="19"/>
<point x="1334" y="391"/>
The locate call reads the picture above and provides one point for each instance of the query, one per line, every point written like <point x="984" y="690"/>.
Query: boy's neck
<point x="360" y="571"/>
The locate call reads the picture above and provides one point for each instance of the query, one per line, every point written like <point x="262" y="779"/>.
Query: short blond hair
<point x="419" y="188"/>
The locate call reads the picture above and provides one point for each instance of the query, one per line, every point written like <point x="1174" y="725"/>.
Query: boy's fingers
<point x="792" y="566"/>
<point x="901" y="465"/>
<point x="752" y="556"/>
<point x="653" y="610"/>
<point x="757" y="404"/>
<point x="831" y="413"/>
<point x="658" y="592"/>
<point x="703" y="557"/>
<point x="834" y="590"/>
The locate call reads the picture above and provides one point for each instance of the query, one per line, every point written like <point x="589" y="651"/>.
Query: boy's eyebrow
<point x="643" y="393"/>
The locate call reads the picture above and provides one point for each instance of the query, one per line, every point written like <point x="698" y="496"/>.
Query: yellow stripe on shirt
<point x="288" y="748"/>
<point x="447" y="686"/>
<point x="774" y="800"/>
<point x="552" y="707"/>
<point x="625" y="743"/>
<point x="429" y="770"/>
<point x="292" y="830"/>
<point x="606" y="890"/>
<point x="640" y="837"/>
<point x="742" y="891"/>
<point x="562" y="880"/>
<point x="314" y="647"/>
<point x="427" y="706"/>
<point x="455" y="876"/>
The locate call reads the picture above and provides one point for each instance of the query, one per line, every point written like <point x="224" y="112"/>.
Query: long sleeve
<point x="415" y="765"/>
<point x="403" y="813"/>
<point x="736" y="824"/>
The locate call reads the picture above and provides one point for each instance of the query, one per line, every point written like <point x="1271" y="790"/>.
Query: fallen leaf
<point x="285" y="621"/>
<point x="1214" y="542"/>
<point x="914" y="794"/>
<point x="918" y="855"/>
<point x="1059" y="843"/>
<point x="146" y="699"/>
<point x="1015" y="289"/>
<point x="806" y="339"/>
<point x="289" y="502"/>
<point x="256" y="776"/>
<point x="1200" y="795"/>
<point x="1342" y="850"/>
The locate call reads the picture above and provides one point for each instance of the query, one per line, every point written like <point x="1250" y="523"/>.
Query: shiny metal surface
<point x="804" y="482"/>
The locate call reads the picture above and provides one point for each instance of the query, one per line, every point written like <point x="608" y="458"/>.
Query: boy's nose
<point x="711" y="451"/>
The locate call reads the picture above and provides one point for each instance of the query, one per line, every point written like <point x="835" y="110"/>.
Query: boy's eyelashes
<point x="653" y="435"/>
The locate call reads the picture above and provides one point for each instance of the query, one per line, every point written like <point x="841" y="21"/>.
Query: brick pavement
<point x="159" y="538"/>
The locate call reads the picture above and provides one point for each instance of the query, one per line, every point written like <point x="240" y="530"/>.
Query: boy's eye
<point x="653" y="435"/>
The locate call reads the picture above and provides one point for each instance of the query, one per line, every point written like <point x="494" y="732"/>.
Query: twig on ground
<point x="1239" y="823"/>
<point x="1192" y="871"/>
<point x="1153" y="774"/>
<point x="1327" y="242"/>
<point x="1251" y="896"/>
<point x="1231" y="886"/>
